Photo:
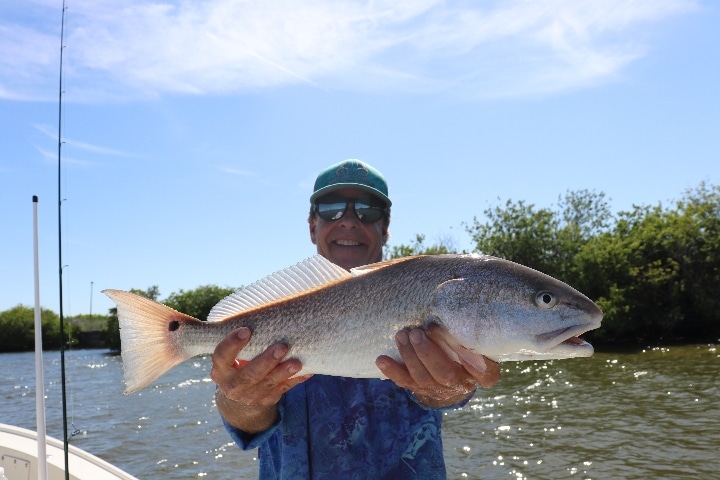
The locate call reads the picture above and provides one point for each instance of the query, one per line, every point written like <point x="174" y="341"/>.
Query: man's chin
<point x="349" y="256"/>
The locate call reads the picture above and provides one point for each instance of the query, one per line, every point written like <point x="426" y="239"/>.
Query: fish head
<point x="507" y="311"/>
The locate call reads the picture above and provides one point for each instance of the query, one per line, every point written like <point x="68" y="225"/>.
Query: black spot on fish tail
<point x="174" y="325"/>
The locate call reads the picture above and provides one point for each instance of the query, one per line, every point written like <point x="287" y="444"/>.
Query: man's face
<point x="348" y="242"/>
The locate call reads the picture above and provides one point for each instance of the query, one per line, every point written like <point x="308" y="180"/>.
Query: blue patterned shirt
<point x="349" y="428"/>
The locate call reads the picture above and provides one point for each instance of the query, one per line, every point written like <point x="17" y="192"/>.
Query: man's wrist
<point x="444" y="402"/>
<point x="248" y="418"/>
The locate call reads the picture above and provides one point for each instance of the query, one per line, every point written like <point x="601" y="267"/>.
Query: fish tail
<point x="148" y="345"/>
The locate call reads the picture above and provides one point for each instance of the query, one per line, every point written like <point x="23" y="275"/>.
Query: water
<point x="652" y="414"/>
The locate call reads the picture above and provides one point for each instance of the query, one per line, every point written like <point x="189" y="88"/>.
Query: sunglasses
<point x="334" y="208"/>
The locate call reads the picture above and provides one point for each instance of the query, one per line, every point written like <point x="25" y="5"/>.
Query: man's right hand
<point x="248" y="392"/>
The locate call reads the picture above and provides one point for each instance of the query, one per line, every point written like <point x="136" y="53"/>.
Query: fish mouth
<point x="567" y="341"/>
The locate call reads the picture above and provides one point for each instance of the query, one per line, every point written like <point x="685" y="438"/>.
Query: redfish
<point x="337" y="322"/>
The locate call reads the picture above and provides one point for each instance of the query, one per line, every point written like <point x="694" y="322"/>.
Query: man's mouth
<point x="347" y="243"/>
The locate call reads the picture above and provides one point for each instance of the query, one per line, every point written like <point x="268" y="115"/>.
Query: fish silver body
<point x="337" y="322"/>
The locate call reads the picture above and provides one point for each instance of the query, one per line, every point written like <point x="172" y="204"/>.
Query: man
<point x="329" y="427"/>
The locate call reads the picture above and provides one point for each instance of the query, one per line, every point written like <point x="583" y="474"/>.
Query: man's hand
<point x="435" y="379"/>
<point x="248" y="392"/>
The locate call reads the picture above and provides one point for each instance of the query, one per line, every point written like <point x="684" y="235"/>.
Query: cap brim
<point x="359" y="186"/>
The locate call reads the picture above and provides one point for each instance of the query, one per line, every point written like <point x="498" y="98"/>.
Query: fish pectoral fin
<point x="472" y="361"/>
<point x="447" y="294"/>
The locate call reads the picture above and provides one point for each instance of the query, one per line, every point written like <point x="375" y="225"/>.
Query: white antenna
<point x="39" y="377"/>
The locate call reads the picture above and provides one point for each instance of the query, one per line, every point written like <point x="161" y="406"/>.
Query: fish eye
<point x="545" y="299"/>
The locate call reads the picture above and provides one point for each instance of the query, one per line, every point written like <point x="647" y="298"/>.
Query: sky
<point x="192" y="132"/>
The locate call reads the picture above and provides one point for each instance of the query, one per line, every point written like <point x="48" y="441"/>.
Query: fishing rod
<point x="60" y="261"/>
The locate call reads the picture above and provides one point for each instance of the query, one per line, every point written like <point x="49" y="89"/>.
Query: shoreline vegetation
<point x="653" y="270"/>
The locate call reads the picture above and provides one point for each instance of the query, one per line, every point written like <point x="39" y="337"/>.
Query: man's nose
<point x="350" y="219"/>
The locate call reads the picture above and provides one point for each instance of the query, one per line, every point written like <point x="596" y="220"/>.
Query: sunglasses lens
<point x="368" y="214"/>
<point x="331" y="211"/>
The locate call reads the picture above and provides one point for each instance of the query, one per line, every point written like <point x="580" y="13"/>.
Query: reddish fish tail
<point x="148" y="347"/>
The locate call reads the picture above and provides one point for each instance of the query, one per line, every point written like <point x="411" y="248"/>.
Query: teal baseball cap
<point x="351" y="174"/>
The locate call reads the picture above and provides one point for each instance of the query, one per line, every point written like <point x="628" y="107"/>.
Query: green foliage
<point x="544" y="239"/>
<point x="111" y="334"/>
<point x="658" y="271"/>
<point x="418" y="247"/>
<point x="18" y="329"/>
<point x="89" y="323"/>
<point x="521" y="233"/>
<point x="197" y="303"/>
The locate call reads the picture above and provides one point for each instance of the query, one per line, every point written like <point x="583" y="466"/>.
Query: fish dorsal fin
<point x="377" y="266"/>
<point x="312" y="273"/>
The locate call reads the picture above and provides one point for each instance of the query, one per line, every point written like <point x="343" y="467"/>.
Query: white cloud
<point x="75" y="147"/>
<point x="237" y="171"/>
<point x="141" y="48"/>
<point x="51" y="158"/>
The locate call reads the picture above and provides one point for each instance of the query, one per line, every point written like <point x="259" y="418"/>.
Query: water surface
<point x="649" y="414"/>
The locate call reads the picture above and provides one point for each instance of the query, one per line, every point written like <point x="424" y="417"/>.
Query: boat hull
<point x="18" y="455"/>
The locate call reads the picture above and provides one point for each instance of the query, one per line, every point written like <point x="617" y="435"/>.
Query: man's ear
<point x="311" y="223"/>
